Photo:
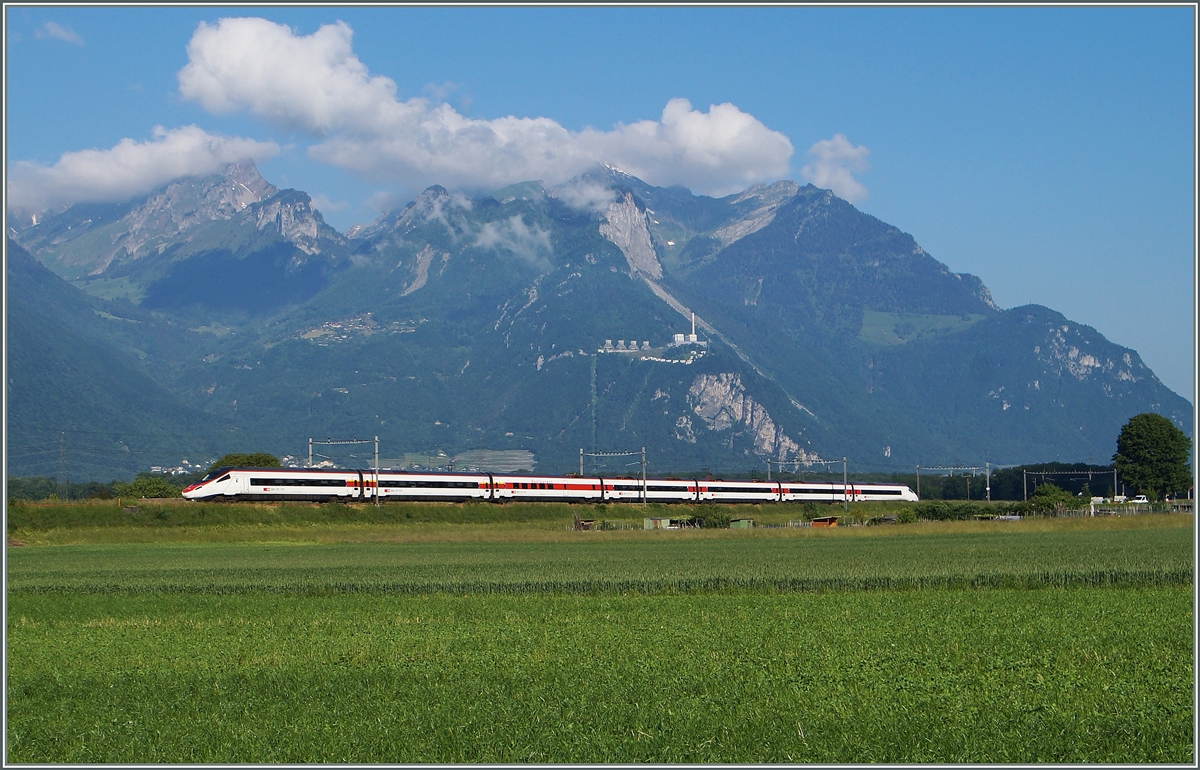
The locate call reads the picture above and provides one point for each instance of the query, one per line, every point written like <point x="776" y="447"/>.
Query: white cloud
<point x="532" y="244"/>
<point x="584" y="195"/>
<point x="316" y="84"/>
<point x="835" y="161"/>
<point x="128" y="169"/>
<point x="54" y="31"/>
<point x="327" y="205"/>
<point x="383" y="201"/>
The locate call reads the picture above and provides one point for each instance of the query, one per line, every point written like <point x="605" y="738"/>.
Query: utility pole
<point x="581" y="462"/>
<point x="1025" y="485"/>
<point x="644" y="477"/>
<point x="62" y="465"/>
<point x="989" y="481"/>
<point x="918" y="481"/>
<point x="593" y="403"/>
<point x="362" y="493"/>
<point x="845" y="492"/>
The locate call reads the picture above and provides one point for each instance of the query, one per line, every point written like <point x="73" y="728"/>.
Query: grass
<point x="376" y="636"/>
<point x="115" y="521"/>
<point x="1076" y="675"/>
<point x="897" y="328"/>
<point x="588" y="562"/>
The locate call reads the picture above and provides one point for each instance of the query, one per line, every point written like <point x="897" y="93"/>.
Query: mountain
<point x="75" y="391"/>
<point x="550" y="319"/>
<point x="225" y="242"/>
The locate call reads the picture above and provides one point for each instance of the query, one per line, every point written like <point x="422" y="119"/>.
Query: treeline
<point x="145" y="485"/>
<point x="1019" y="482"/>
<point x="1006" y="483"/>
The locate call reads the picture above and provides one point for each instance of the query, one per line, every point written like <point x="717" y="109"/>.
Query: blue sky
<point x="1048" y="150"/>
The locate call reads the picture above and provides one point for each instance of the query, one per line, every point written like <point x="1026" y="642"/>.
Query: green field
<point x="518" y="641"/>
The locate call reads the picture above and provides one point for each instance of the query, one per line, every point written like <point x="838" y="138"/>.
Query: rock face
<point x="424" y="258"/>
<point x="769" y="198"/>
<point x="88" y="240"/>
<point x="625" y="226"/>
<point x="434" y="204"/>
<point x="723" y="404"/>
<point x="188" y="202"/>
<point x="295" y="220"/>
<point x="183" y="205"/>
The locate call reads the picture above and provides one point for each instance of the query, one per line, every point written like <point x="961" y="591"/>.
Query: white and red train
<point x="303" y="484"/>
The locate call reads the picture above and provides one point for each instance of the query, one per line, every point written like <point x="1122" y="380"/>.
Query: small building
<point x="656" y="522"/>
<point x="741" y="524"/>
<point x="826" y="521"/>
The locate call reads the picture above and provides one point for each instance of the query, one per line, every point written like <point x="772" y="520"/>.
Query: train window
<point x="308" y="482"/>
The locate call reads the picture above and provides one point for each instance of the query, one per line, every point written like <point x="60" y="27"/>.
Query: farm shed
<point x="825" y="521"/>
<point x="741" y="524"/>
<point x="655" y="522"/>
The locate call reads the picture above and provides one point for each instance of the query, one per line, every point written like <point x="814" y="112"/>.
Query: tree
<point x="1152" y="456"/>
<point x="147" y="486"/>
<point x="259" y="460"/>
<point x="1048" y="498"/>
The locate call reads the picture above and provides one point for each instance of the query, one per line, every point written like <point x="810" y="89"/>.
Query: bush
<point x="147" y="486"/>
<point x="1048" y="498"/>
<point x="711" y="517"/>
<point x="931" y="510"/>
<point x="906" y="516"/>
<point x="940" y="510"/>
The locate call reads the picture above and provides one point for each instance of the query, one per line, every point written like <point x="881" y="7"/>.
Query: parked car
<point x="1140" y="500"/>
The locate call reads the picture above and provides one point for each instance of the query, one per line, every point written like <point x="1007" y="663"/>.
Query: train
<point x="322" y="485"/>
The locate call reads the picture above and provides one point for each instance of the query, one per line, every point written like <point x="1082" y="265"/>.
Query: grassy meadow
<point x="496" y="635"/>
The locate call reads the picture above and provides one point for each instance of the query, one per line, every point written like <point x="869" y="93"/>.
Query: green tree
<point x="259" y="460"/>
<point x="1048" y="498"/>
<point x="1152" y="456"/>
<point x="147" y="486"/>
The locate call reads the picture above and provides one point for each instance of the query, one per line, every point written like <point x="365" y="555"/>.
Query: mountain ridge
<point x="480" y="323"/>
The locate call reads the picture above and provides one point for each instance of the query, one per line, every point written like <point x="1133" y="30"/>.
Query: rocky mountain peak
<point x="432" y="204"/>
<point x="292" y="213"/>
<point x="191" y="201"/>
<point x="763" y="201"/>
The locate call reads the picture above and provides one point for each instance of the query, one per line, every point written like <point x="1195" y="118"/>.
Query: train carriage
<point x="320" y="485"/>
